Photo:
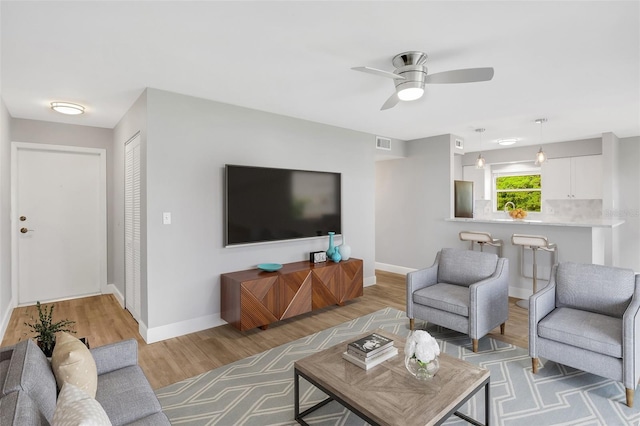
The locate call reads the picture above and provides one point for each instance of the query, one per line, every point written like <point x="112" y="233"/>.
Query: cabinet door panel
<point x="556" y="179"/>
<point x="351" y="280"/>
<point x="587" y="177"/>
<point x="325" y="286"/>
<point x="259" y="302"/>
<point x="295" y="294"/>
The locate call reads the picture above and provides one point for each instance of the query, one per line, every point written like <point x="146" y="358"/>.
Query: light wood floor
<point x="102" y="320"/>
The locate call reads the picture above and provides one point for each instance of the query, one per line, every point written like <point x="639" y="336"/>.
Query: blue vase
<point x="332" y="248"/>
<point x="336" y="256"/>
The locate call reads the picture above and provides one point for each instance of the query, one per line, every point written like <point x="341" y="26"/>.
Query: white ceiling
<point x="575" y="63"/>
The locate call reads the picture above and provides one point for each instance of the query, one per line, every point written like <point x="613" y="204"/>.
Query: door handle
<point x="25" y="230"/>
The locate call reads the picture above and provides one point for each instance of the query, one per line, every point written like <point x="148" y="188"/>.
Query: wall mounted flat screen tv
<point x="267" y="204"/>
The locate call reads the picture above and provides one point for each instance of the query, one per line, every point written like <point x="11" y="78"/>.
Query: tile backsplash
<point x="570" y="209"/>
<point x="575" y="209"/>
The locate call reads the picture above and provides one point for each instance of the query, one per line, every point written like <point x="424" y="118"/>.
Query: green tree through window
<point x="522" y="190"/>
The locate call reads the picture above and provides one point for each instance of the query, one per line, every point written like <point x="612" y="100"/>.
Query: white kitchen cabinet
<point x="572" y="178"/>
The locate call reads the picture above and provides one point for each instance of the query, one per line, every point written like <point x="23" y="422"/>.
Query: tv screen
<point x="267" y="204"/>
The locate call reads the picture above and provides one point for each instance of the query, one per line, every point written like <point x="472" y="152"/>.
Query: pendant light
<point x="541" y="157"/>
<point x="480" y="161"/>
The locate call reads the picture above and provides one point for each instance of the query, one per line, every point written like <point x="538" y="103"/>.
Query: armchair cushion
<point x="595" y="288"/>
<point x="586" y="330"/>
<point x="465" y="267"/>
<point x="445" y="297"/>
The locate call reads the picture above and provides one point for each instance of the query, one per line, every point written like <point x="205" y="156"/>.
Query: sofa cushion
<point x="76" y="407"/>
<point x="17" y="408"/>
<point x="30" y="371"/>
<point x="126" y="396"/>
<point x="445" y="297"/>
<point x="155" y="419"/>
<point x="586" y="330"/>
<point x="465" y="267"/>
<point x="73" y="363"/>
<point x="602" y="289"/>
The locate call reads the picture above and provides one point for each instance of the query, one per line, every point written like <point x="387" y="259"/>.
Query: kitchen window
<point x="522" y="189"/>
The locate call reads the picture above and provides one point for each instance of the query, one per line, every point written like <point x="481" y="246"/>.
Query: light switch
<point x="166" y="218"/>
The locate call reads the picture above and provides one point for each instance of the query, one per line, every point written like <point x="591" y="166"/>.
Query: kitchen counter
<point x="547" y="221"/>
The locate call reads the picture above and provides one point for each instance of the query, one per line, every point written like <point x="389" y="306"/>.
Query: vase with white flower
<point x="421" y="355"/>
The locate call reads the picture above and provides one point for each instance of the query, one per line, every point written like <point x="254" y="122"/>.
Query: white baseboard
<point x="393" y="268"/>
<point x="370" y="281"/>
<point x="156" y="334"/>
<point x="112" y="289"/>
<point x="5" y="318"/>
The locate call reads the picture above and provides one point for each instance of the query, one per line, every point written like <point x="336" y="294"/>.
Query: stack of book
<point x="370" y="351"/>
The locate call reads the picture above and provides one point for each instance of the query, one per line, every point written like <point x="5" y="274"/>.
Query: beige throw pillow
<point x="73" y="363"/>
<point x="76" y="408"/>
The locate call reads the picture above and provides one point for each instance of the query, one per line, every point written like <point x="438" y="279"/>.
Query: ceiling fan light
<point x="67" y="108"/>
<point x="410" y="93"/>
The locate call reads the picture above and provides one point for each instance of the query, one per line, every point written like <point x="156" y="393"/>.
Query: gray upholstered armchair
<point x="588" y="318"/>
<point x="464" y="290"/>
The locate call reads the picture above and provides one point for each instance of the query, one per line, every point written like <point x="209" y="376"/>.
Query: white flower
<point x="422" y="345"/>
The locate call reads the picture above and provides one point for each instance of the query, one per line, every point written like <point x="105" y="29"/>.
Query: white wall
<point x="188" y="142"/>
<point x="6" y="302"/>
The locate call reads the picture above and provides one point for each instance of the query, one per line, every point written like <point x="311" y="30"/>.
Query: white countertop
<point x="547" y="221"/>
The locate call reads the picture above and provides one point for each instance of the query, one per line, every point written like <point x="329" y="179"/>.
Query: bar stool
<point x="481" y="238"/>
<point x="535" y="243"/>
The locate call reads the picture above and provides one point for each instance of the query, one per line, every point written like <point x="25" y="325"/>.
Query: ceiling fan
<point x="410" y="76"/>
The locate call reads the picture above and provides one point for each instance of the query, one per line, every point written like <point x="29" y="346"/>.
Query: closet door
<point x="132" y="227"/>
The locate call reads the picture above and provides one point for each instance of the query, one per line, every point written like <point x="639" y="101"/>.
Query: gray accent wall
<point x="134" y="122"/>
<point x="5" y="218"/>
<point x="527" y="153"/>
<point x="188" y="142"/>
<point x="629" y="203"/>
<point x="413" y="197"/>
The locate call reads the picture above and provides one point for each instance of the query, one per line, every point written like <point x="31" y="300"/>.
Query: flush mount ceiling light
<point x="67" y="108"/>
<point x="480" y="161"/>
<point x="541" y="157"/>
<point x="507" y="141"/>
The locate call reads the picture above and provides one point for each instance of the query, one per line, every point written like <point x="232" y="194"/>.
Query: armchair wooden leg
<point x="534" y="365"/>
<point x="630" y="398"/>
<point x="412" y="323"/>
<point x="474" y="343"/>
<point x="502" y="327"/>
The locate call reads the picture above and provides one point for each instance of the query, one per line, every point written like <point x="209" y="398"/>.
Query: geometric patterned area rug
<point x="259" y="390"/>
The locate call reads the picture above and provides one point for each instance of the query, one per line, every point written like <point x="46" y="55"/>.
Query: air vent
<point x="459" y="144"/>
<point x="383" y="143"/>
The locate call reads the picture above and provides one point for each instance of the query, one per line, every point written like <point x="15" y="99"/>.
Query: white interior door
<point x="59" y="221"/>
<point x="132" y="227"/>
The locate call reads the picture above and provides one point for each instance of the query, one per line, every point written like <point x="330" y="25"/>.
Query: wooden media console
<point x="255" y="298"/>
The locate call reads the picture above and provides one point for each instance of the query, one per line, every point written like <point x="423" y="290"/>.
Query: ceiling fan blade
<point x="376" y="71"/>
<point x="391" y="102"/>
<point x="468" y="75"/>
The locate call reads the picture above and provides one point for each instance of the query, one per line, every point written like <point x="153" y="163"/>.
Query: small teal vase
<point x="336" y="256"/>
<point x="332" y="249"/>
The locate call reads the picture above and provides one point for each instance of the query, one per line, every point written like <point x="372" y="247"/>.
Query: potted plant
<point x="46" y="329"/>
